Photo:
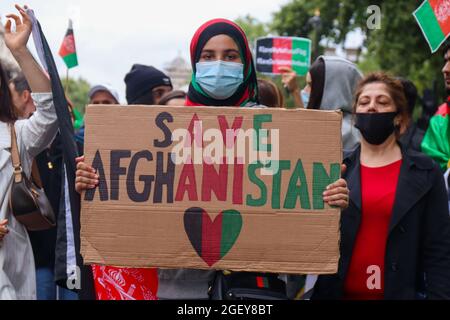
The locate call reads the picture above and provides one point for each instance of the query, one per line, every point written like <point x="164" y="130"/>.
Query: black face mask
<point x="376" y="127"/>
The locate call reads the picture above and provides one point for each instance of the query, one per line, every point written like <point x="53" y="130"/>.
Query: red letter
<point x="237" y="124"/>
<point x="213" y="181"/>
<point x="191" y="188"/>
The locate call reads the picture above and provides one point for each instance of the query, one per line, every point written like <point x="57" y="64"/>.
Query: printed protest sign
<point x="224" y="188"/>
<point x="433" y="17"/>
<point x="275" y="52"/>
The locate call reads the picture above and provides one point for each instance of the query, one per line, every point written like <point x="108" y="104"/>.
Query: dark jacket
<point x="49" y="163"/>
<point x="413" y="137"/>
<point x="418" y="245"/>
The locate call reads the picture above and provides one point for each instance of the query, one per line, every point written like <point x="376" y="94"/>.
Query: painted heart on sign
<point x="212" y="240"/>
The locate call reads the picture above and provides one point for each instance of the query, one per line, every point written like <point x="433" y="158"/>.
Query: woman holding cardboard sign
<point x="396" y="232"/>
<point x="224" y="75"/>
<point x="17" y="271"/>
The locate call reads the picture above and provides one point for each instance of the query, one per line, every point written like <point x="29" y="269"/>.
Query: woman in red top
<point x="395" y="241"/>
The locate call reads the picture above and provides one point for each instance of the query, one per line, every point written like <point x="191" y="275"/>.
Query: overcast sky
<point x="113" y="35"/>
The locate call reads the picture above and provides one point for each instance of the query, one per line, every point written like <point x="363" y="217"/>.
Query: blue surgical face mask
<point x="305" y="98"/>
<point x="220" y="79"/>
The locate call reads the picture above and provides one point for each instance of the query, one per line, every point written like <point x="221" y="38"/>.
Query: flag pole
<point x="66" y="89"/>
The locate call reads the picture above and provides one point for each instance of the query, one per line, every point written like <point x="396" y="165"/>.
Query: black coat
<point x="418" y="245"/>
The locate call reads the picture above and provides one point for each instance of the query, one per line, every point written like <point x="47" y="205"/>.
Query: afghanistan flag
<point x="68" y="50"/>
<point x="68" y="261"/>
<point x="433" y="17"/>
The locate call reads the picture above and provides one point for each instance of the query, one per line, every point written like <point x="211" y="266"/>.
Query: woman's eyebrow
<point x="231" y="51"/>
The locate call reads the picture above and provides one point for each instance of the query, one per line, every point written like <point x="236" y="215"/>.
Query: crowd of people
<point x="393" y="192"/>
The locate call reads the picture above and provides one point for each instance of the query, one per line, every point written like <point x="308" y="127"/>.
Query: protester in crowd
<point x="17" y="268"/>
<point x="436" y="143"/>
<point x="98" y="94"/>
<point x="103" y="94"/>
<point x="269" y="94"/>
<point x="175" y="98"/>
<point x="146" y="85"/>
<point x="48" y="164"/>
<point x="218" y="47"/>
<point x="330" y="85"/>
<point x="414" y="135"/>
<point x="21" y="96"/>
<point x="395" y="235"/>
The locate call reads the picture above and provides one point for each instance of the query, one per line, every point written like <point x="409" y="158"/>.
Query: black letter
<point x="97" y="164"/>
<point x="117" y="170"/>
<point x="133" y="194"/>
<point x="167" y="133"/>
<point x="164" y="178"/>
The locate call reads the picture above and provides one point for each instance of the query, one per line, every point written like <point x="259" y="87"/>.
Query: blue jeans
<point x="48" y="290"/>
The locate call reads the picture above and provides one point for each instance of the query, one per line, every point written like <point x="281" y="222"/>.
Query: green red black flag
<point x="68" y="50"/>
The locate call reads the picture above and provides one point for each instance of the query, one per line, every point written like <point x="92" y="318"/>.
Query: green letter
<point x="258" y="182"/>
<point x="296" y="190"/>
<point x="321" y="180"/>
<point x="276" y="185"/>
<point x="258" y="120"/>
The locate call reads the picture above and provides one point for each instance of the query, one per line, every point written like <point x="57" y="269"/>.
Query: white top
<point x="17" y="270"/>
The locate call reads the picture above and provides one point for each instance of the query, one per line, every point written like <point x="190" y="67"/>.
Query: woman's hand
<point x="3" y="229"/>
<point x="86" y="177"/>
<point x="17" y="41"/>
<point x="337" y="194"/>
<point x="289" y="79"/>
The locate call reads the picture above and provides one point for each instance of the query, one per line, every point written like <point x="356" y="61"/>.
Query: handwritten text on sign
<point x="215" y="170"/>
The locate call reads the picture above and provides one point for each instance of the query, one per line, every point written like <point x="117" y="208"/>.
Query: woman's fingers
<point x="342" y="204"/>
<point x="336" y="197"/>
<point x="285" y="69"/>
<point x="4" y="228"/>
<point x="86" y="180"/>
<point x="340" y="183"/>
<point x="80" y="186"/>
<point x="337" y="194"/>
<point x="84" y="167"/>
<point x="8" y="26"/>
<point x="334" y="191"/>
<point x="80" y="159"/>
<point x="87" y="174"/>
<point x="16" y="19"/>
<point x="24" y="14"/>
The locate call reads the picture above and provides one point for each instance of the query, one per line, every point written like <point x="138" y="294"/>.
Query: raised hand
<point x="17" y="41"/>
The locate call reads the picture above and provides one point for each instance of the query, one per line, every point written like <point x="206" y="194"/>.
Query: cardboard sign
<point x="275" y="52"/>
<point x="212" y="188"/>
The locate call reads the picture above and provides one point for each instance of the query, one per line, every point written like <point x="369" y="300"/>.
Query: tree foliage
<point x="253" y="28"/>
<point x="397" y="47"/>
<point x="77" y="91"/>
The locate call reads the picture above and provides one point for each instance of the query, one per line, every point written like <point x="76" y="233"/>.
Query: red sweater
<point x="365" y="276"/>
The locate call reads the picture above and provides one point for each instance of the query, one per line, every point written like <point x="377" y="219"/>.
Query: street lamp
<point x="316" y="24"/>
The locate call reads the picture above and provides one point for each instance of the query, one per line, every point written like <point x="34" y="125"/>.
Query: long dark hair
<point x="6" y="106"/>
